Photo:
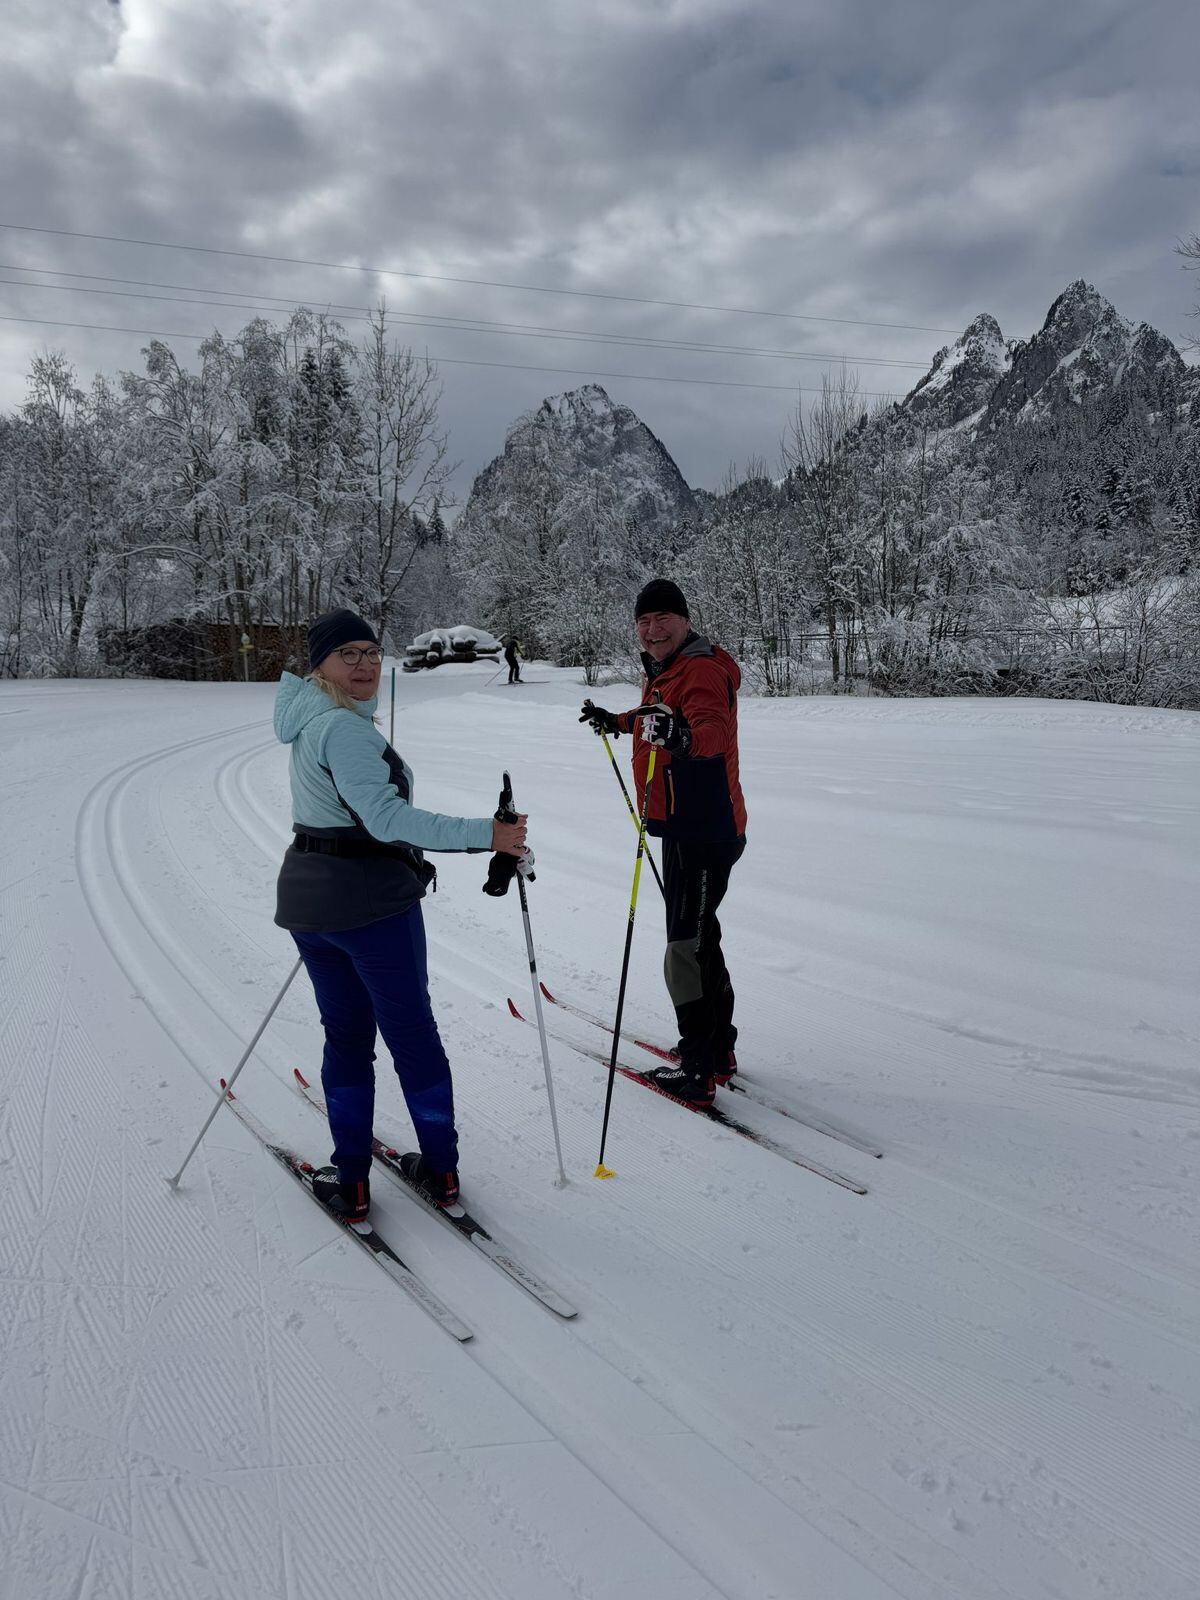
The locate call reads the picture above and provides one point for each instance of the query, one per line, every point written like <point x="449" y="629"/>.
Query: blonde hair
<point x="337" y="694"/>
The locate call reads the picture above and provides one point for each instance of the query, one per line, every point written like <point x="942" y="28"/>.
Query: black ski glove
<point x="602" y="721"/>
<point x="669" y="730"/>
<point x="503" y="867"/>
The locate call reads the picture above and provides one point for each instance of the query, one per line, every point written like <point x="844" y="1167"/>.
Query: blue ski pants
<point x="376" y="977"/>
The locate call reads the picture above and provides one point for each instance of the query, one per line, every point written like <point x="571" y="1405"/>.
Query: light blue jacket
<point x="332" y="746"/>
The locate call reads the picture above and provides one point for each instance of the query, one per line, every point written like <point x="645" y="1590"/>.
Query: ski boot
<point x="726" y="1068"/>
<point x="696" y="1088"/>
<point x="441" y="1187"/>
<point x="349" y="1200"/>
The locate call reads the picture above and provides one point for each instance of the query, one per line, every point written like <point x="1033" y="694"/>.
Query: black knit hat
<point x="334" y="629"/>
<point x="660" y="594"/>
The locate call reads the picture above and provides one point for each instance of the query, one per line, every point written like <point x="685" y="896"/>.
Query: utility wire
<point x="466" y="324"/>
<point x="458" y="361"/>
<point x="484" y="283"/>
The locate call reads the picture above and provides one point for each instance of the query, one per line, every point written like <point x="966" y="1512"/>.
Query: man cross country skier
<point x="696" y="808"/>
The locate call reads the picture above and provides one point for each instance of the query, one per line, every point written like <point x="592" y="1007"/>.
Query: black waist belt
<point x="313" y="844"/>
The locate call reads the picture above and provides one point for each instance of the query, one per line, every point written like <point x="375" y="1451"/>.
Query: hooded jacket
<point x="697" y="796"/>
<point x="348" y="783"/>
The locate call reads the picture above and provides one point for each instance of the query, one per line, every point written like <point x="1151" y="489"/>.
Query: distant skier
<point x="349" y="893"/>
<point x="696" y="808"/>
<point x="511" y="646"/>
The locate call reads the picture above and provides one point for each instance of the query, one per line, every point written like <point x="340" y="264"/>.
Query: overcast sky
<point x="891" y="161"/>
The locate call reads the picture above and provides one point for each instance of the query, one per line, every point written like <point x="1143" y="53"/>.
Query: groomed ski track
<point x="978" y="1381"/>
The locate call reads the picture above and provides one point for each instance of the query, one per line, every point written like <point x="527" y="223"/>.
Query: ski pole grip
<point x="502" y="867"/>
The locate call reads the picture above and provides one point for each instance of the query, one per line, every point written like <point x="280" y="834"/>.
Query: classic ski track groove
<point x="935" y="1387"/>
<point x="85" y="1348"/>
<point x="167" y="945"/>
<point x="169" y="948"/>
<point x="937" y="1377"/>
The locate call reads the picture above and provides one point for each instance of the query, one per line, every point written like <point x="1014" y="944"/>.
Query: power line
<point x="458" y="361"/>
<point x="453" y="324"/>
<point x="483" y="283"/>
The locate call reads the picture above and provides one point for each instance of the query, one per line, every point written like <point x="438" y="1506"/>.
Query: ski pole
<point x="232" y="1079"/>
<point x="601" y="1170"/>
<point x="537" y="1002"/>
<point x="500" y="875"/>
<point x="633" y="816"/>
<point x="392" y="728"/>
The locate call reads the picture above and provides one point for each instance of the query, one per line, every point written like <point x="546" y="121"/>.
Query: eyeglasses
<point x="352" y="657"/>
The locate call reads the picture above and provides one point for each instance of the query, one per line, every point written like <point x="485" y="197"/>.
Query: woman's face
<point x="352" y="671"/>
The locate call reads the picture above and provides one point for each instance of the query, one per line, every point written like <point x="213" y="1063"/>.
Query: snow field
<point x="967" y="928"/>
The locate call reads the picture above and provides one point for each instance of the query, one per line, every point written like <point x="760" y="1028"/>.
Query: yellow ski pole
<point x="633" y="816"/>
<point x="601" y="1170"/>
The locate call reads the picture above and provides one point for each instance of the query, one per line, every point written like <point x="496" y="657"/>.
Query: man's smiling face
<point x="660" y="633"/>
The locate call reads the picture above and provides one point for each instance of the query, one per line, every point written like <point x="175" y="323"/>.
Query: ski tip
<point x="603" y="1172"/>
<point x="514" y="1010"/>
<point x="229" y="1094"/>
<point x="300" y="1078"/>
<point x="546" y="992"/>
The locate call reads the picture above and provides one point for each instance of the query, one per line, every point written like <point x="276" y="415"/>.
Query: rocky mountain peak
<point x="1083" y="350"/>
<point x="584" y="431"/>
<point x="963" y="375"/>
<point x="1077" y="313"/>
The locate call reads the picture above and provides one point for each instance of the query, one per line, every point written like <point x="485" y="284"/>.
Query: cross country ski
<point x="721" y="1118"/>
<point x="455" y="1216"/>
<point x="363" y="1233"/>
<point x="738" y="1085"/>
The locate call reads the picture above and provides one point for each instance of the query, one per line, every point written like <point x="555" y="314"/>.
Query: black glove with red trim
<point x="669" y="730"/>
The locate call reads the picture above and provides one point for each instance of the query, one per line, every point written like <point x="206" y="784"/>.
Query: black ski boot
<point x="349" y="1200"/>
<point x="441" y="1187"/>
<point x="697" y="1088"/>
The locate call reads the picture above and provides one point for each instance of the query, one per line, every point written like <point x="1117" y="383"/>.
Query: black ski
<point x="738" y="1085"/>
<point x="455" y="1217"/>
<point x="764" y="1141"/>
<point x="363" y="1233"/>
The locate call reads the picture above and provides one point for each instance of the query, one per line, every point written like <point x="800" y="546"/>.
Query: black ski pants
<point x="696" y="876"/>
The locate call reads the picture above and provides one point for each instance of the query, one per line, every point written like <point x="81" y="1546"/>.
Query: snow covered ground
<point x="969" y="929"/>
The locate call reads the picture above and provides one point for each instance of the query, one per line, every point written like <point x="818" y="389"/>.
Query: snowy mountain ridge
<point x="1083" y="351"/>
<point x="978" y="386"/>
<point x="960" y="382"/>
<point x="582" y="431"/>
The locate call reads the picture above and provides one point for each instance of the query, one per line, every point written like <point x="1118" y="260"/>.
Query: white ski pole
<point x="501" y="870"/>
<point x="537" y="1002"/>
<point x="232" y="1079"/>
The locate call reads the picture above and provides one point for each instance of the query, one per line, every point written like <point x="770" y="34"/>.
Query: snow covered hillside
<point x="965" y="929"/>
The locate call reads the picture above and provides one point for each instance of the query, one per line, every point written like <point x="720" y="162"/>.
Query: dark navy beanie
<point x="333" y="630"/>
<point x="660" y="594"/>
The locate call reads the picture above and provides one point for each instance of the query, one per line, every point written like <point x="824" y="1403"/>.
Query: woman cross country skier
<point x="349" y="893"/>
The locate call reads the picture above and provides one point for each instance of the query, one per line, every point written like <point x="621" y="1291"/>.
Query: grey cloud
<point x="915" y="163"/>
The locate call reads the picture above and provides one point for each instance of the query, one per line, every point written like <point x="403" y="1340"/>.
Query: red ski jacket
<point x="697" y="795"/>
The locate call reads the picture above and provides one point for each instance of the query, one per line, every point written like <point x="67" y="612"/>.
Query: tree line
<point x="292" y="470"/>
<point x="295" y="469"/>
<point x="1059" y="559"/>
